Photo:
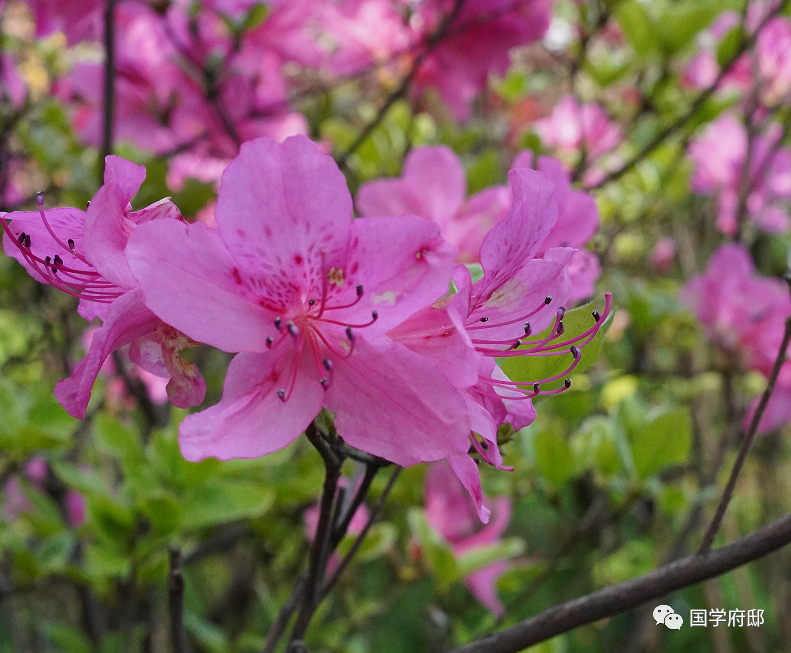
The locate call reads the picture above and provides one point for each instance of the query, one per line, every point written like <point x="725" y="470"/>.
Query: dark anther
<point x="88" y="205"/>
<point x="536" y="388"/>
<point x="359" y="290"/>
<point x="548" y="299"/>
<point x="292" y="329"/>
<point x="575" y="351"/>
<point x="350" y="334"/>
<point x="46" y="261"/>
<point x="40" y="196"/>
<point x="567" y="383"/>
<point x="323" y="382"/>
<point x="561" y="328"/>
<point x="281" y="394"/>
<point x="58" y="260"/>
<point x="24" y="240"/>
<point x="596" y="315"/>
<point x="269" y="342"/>
<point x="278" y="323"/>
<point x="562" y="311"/>
<point x="327" y="364"/>
<point x="374" y="315"/>
<point x="518" y="343"/>
<point x="70" y="243"/>
<point x="484" y="319"/>
<point x="311" y="302"/>
<point x="528" y="330"/>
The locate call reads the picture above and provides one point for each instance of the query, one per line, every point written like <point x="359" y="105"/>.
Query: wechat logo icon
<point x="663" y="614"/>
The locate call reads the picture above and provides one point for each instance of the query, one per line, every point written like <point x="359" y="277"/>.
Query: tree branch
<point x="178" y="636"/>
<point x="109" y="83"/>
<point x="624" y="596"/>
<point x="714" y="526"/>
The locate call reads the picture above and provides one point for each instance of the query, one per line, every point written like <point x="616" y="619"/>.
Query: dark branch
<point x="109" y="83"/>
<point x="178" y="636"/>
<point x="714" y="526"/>
<point x="630" y="594"/>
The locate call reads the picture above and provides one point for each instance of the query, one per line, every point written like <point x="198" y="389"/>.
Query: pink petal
<point x="191" y="282"/>
<point x="448" y="507"/>
<point x="432" y="186"/>
<point x="284" y="213"/>
<point x="519" y="236"/>
<point x="584" y="271"/>
<point x="106" y="226"/>
<point x="251" y="420"/>
<point x="402" y="264"/>
<point x="127" y="319"/>
<point x="391" y="402"/>
<point x="467" y="472"/>
<point x="483" y="584"/>
<point x="476" y="219"/>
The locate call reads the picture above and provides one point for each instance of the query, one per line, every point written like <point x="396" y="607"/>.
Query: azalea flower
<point x="449" y="512"/>
<point x="719" y="155"/>
<point x="82" y="254"/>
<point x="305" y="296"/>
<point x="433" y="186"/>
<point x="744" y="315"/>
<point x="518" y="296"/>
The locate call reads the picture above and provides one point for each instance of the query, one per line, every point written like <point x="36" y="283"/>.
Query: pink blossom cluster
<point x="767" y="67"/>
<point x="744" y="315"/>
<point x="16" y="502"/>
<point x="322" y="311"/>
<point x="737" y="168"/>
<point x="195" y="80"/>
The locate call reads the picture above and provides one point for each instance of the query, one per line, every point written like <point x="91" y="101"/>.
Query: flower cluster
<point x="744" y="315"/>
<point x="320" y="310"/>
<point x="195" y="80"/>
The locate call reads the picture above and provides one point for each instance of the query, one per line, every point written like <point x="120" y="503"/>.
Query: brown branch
<point x="714" y="526"/>
<point x="624" y="596"/>
<point x="109" y="84"/>
<point x="178" y="636"/>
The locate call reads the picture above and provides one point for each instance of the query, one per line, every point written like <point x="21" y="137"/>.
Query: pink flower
<point x="663" y="254"/>
<point x="79" y="20"/>
<point x="12" y="88"/>
<point x="719" y="156"/>
<point x="449" y="511"/>
<point x="518" y="296"/>
<point x="743" y="314"/>
<point x="475" y="44"/>
<point x="434" y="186"/>
<point x="82" y="254"/>
<point x="572" y="127"/>
<point x="305" y="295"/>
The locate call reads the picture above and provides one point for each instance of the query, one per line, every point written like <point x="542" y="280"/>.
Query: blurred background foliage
<point x="614" y="477"/>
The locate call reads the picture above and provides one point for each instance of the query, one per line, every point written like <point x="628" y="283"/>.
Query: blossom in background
<point x="572" y="128"/>
<point x="35" y="472"/>
<point x="771" y="54"/>
<point x="82" y="254"/>
<point x="449" y="512"/>
<point x="79" y="20"/>
<point x="663" y="254"/>
<point x="433" y="186"/>
<point x="719" y="156"/>
<point x="306" y="296"/>
<point x="744" y="315"/>
<point x="475" y="43"/>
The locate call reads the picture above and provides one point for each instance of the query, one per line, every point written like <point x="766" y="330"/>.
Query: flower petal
<point x="393" y="403"/>
<point x="106" y="226"/>
<point x="191" y="282"/>
<point x="251" y="420"/>
<point x="127" y="319"/>
<point x="467" y="472"/>
<point x="284" y="213"/>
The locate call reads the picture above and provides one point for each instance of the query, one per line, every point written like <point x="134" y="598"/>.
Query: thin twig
<point x="374" y="515"/>
<point x="618" y="598"/>
<point x="178" y="636"/>
<point x="109" y="83"/>
<point x="714" y="526"/>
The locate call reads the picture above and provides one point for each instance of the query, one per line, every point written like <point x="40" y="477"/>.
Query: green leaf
<point x="681" y="21"/>
<point x="637" y="27"/>
<point x="553" y="457"/>
<point x="483" y="556"/>
<point x="162" y="509"/>
<point x="436" y="551"/>
<point x="225" y="500"/>
<point x="534" y="369"/>
<point x="663" y="441"/>
<point x="729" y="45"/>
<point x="67" y="639"/>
